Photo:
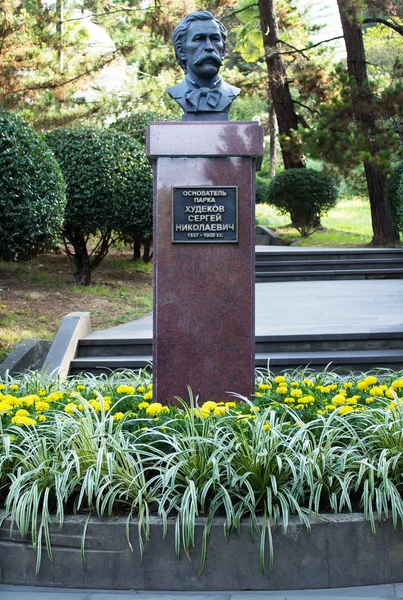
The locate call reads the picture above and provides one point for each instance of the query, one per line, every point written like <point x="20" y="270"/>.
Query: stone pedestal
<point x="204" y="289"/>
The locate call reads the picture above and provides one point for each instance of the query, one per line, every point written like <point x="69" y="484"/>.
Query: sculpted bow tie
<point x="193" y="97"/>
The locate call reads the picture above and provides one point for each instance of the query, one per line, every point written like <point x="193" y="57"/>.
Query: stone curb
<point x="25" y="356"/>
<point x="340" y="551"/>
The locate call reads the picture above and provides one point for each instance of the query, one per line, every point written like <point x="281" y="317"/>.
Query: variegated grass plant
<point x="260" y="459"/>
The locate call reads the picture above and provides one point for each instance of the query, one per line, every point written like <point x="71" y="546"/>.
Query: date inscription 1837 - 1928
<point x="205" y="214"/>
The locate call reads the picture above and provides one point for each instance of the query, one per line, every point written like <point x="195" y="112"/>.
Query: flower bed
<point x="302" y="445"/>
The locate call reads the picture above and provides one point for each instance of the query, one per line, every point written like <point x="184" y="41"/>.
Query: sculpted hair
<point x="179" y="34"/>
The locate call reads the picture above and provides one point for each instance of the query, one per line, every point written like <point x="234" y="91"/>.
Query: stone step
<point x="104" y="347"/>
<point x="333" y="264"/>
<point x="326" y="274"/>
<point x="308" y="254"/>
<point x="341" y="361"/>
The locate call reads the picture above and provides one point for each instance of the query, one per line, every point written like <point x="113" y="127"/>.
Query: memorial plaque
<point x="205" y="214"/>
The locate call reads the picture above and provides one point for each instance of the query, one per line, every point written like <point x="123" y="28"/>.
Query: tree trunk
<point x="287" y="118"/>
<point x="81" y="261"/>
<point x="147" y="254"/>
<point x="385" y="232"/>
<point x="272" y="141"/>
<point x="136" y="249"/>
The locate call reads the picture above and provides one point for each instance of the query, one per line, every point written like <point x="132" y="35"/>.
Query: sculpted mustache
<point x="204" y="57"/>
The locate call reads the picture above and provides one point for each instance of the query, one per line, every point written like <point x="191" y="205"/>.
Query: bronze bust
<point x="199" y="42"/>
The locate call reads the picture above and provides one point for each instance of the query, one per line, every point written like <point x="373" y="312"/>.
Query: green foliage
<point x="262" y="190"/>
<point x="394" y="196"/>
<point x="136" y="124"/>
<point x="109" y="189"/>
<point x="302" y="446"/>
<point x="32" y="197"/>
<point x="304" y="193"/>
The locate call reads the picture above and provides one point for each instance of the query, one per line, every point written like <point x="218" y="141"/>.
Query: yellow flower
<point x="279" y="379"/>
<point x="21" y="413"/>
<point x="308" y="382"/>
<point x="319" y="412"/>
<point x="41" y="406"/>
<point x="42" y="392"/>
<point x="295" y="384"/>
<point x="376" y="391"/>
<point x="70" y="408"/>
<point x="264" y="386"/>
<point x="2" y="386"/>
<point x="22" y="420"/>
<point x="118" y="416"/>
<point x="258" y="394"/>
<point x="389" y="394"/>
<point x="150" y="386"/>
<point x="209" y="405"/>
<point x="371" y="380"/>
<point x="342" y="392"/>
<point x="289" y="400"/>
<point x="348" y="385"/>
<point x="141" y="389"/>
<point x="13" y="387"/>
<point x="296" y="393"/>
<point x="154" y="409"/>
<point x="307" y="399"/>
<point x="345" y="409"/>
<point x="42" y="418"/>
<point x="329" y="407"/>
<point x="220" y="411"/>
<point x="202" y="413"/>
<point x="143" y="405"/>
<point x="230" y="404"/>
<point x="125" y="389"/>
<point x="12" y="400"/>
<point x="369" y="400"/>
<point x="266" y="426"/>
<point x="5" y="407"/>
<point x="80" y="387"/>
<point x="148" y="396"/>
<point x="30" y="400"/>
<point x="396" y="385"/>
<point x="281" y="390"/>
<point x="338" y="399"/>
<point x="254" y="409"/>
<point x="54" y="397"/>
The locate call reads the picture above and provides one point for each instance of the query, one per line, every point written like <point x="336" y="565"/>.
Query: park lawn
<point x="36" y="295"/>
<point x="347" y="225"/>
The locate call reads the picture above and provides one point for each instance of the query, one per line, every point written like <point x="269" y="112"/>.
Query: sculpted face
<point x="204" y="50"/>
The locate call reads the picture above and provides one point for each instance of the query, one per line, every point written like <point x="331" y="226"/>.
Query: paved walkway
<point x="375" y="592"/>
<point x="305" y="307"/>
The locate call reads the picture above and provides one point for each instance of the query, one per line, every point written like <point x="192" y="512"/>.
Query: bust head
<point x="199" y="42"/>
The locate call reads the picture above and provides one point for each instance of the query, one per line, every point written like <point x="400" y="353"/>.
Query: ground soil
<point x="36" y="295"/>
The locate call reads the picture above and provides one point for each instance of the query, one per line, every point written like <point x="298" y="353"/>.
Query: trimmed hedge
<point x="32" y="191"/>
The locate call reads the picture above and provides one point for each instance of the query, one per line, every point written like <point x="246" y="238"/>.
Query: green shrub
<point x="305" y="194"/>
<point x="262" y="190"/>
<point x="136" y="124"/>
<point x="109" y="192"/>
<point x="32" y="191"/>
<point x="394" y="195"/>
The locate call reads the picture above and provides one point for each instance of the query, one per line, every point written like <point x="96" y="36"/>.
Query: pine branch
<point x="390" y="24"/>
<point x="302" y="50"/>
<point x="311" y="110"/>
<point x="235" y="12"/>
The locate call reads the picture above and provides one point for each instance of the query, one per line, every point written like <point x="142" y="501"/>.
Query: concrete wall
<point x="340" y="551"/>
